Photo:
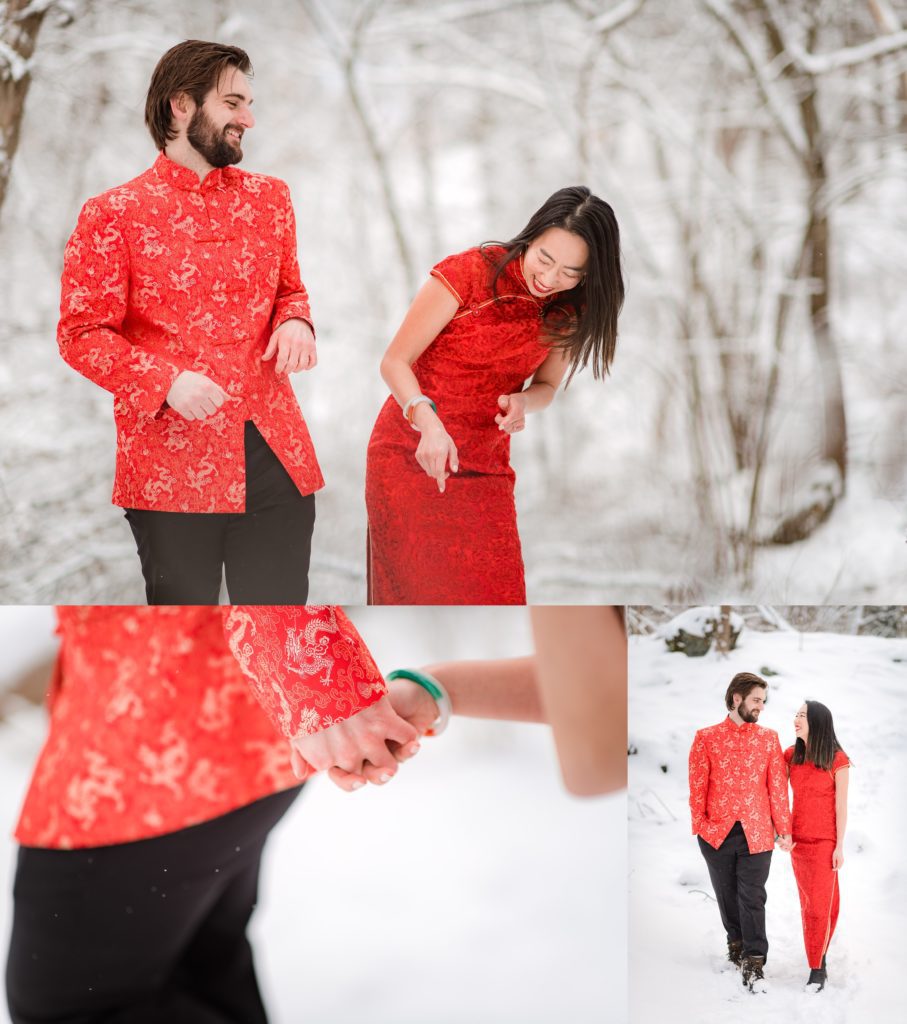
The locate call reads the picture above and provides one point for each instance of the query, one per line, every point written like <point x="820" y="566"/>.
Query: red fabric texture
<point x="737" y="774"/>
<point x="155" y="725"/>
<point x="462" y="546"/>
<point x="167" y="273"/>
<point x="815" y="837"/>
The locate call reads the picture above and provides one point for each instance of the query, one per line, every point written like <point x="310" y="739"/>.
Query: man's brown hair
<point x="742" y="683"/>
<point x="193" y="67"/>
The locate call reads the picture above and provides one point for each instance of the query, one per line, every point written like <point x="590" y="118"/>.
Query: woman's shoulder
<point x="465" y="274"/>
<point x="789" y="754"/>
<point x="841" y="761"/>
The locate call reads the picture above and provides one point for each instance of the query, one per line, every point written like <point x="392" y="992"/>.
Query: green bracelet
<point x="436" y="690"/>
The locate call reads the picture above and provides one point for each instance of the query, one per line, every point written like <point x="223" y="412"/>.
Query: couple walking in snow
<point x="739" y="804"/>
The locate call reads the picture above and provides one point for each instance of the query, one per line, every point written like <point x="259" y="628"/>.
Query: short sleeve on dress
<point x="841" y="761"/>
<point x="789" y="754"/>
<point x="459" y="274"/>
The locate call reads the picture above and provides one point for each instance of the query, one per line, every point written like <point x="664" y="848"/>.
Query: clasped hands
<point x="370" y="745"/>
<point x="785" y="843"/>
<point x="196" y="397"/>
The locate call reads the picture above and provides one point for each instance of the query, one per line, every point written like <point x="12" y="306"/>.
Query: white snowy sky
<point x="675" y="931"/>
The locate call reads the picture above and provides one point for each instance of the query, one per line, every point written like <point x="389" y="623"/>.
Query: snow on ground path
<point x="676" y="942"/>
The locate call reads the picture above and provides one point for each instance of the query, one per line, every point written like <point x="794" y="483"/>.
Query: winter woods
<point x="750" y="438"/>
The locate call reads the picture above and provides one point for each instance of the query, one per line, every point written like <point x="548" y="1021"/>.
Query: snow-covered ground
<point x="676" y="942"/>
<point x="492" y="894"/>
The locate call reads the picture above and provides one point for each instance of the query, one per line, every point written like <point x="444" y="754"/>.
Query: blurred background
<point x="490" y="894"/>
<point x="750" y="441"/>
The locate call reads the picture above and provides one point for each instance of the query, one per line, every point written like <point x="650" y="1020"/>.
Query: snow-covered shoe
<point x="753" y="978"/>
<point x="734" y="951"/>
<point x="817" y="979"/>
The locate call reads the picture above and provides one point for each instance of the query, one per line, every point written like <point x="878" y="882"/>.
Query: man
<point x="164" y="770"/>
<point x="738" y="800"/>
<point x="181" y="295"/>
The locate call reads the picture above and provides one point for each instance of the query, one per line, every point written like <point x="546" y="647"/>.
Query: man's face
<point x="217" y="126"/>
<point x="751" y="706"/>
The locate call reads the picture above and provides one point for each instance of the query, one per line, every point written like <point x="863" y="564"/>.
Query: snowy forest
<point x="749" y="443"/>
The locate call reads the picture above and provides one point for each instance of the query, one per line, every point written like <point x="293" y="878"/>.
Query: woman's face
<point x="801" y="726"/>
<point x="555" y="261"/>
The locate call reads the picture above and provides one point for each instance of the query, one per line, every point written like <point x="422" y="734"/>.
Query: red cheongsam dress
<point x="815" y="836"/>
<point x="462" y="546"/>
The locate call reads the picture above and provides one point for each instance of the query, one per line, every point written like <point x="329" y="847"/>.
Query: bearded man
<point x="181" y="295"/>
<point x="739" y="804"/>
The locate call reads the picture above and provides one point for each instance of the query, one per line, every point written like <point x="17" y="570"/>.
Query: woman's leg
<point x="142" y="933"/>
<point x="817" y="885"/>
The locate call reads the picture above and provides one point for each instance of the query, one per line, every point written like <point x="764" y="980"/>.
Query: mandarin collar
<point x="736" y="729"/>
<point x="184" y="178"/>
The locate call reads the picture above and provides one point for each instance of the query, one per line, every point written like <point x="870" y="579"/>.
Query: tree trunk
<point x="20" y="22"/>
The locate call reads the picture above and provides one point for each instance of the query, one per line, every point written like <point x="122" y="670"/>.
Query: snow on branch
<point x="610" y="20"/>
<point x="740" y="33"/>
<point x="35" y="7"/>
<point x="13" y="66"/>
<point x="848" y="57"/>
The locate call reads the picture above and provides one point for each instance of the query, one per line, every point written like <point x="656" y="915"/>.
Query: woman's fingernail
<point x="385" y="777"/>
<point x="358" y="785"/>
<point x="414" y="749"/>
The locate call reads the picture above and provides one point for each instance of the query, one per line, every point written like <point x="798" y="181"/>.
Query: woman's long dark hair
<point x="821" y="743"/>
<point x="594" y="304"/>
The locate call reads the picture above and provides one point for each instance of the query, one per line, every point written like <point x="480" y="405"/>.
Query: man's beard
<point x="748" y="715"/>
<point x="213" y="145"/>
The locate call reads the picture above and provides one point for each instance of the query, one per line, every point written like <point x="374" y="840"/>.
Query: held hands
<point x="785" y="843"/>
<point x="195" y="396"/>
<point x="364" y="748"/>
<point x="513" y="412"/>
<point x="294" y="344"/>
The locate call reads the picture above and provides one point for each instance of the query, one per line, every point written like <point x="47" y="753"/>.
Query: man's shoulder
<point x="115" y="199"/>
<point x="708" y="731"/>
<point x="253" y="181"/>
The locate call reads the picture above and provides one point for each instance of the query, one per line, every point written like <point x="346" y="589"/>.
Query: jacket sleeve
<point x="699" y="782"/>
<point x="93" y="305"/>
<point x="292" y="301"/>
<point x="306" y="664"/>
<point x="777" y="789"/>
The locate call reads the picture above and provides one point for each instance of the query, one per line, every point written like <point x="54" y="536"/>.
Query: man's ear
<point x="182" y="107"/>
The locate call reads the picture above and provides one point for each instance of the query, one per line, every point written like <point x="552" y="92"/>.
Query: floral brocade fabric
<point x="156" y="724"/>
<point x="737" y="774"/>
<point x="814" y="815"/>
<point x="165" y="274"/>
<point x="462" y="546"/>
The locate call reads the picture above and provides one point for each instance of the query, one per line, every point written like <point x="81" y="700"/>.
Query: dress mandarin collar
<point x="184" y="178"/>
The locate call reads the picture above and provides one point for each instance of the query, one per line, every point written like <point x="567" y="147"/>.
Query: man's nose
<point x="246" y="118"/>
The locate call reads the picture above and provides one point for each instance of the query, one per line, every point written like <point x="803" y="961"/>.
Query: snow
<point x="472" y="887"/>
<point x="697" y="622"/>
<point x="675" y="932"/>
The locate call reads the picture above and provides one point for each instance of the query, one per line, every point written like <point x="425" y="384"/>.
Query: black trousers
<point x="738" y="878"/>
<point x="142" y="933"/>
<point x="265" y="550"/>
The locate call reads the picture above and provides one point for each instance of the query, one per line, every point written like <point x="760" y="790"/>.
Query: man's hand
<point x="195" y="396"/>
<point x="785" y="843"/>
<point x="512" y="416"/>
<point x="357" y="750"/>
<point x="294" y="344"/>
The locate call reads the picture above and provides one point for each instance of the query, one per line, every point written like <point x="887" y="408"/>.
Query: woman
<point x="441" y="513"/>
<point x="818" y="769"/>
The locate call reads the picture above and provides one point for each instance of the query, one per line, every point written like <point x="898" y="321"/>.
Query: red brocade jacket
<point x="168" y="273"/>
<point x="737" y="773"/>
<point x="815" y="810"/>
<point x="165" y="717"/>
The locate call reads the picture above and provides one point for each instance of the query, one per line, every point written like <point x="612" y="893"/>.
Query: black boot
<point x="824" y="968"/>
<point x="751" y="968"/>
<point x="817" y="977"/>
<point x="735" y="951"/>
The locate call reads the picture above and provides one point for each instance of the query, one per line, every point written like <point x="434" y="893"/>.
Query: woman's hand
<point x="411" y="702"/>
<point x="436" y="451"/>
<point x="512" y="416"/>
<point x="837" y="858"/>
